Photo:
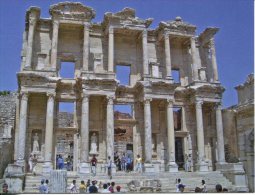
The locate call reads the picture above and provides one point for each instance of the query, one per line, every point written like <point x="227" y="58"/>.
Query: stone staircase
<point x="190" y="179"/>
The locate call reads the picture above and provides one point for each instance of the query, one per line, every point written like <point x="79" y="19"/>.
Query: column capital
<point x="144" y="33"/>
<point x="110" y="99"/>
<point x="111" y="30"/>
<point x="211" y="43"/>
<point x="147" y="100"/>
<point x="170" y="102"/>
<point x="32" y="21"/>
<point x="55" y="22"/>
<point x="51" y="94"/>
<point x="24" y="95"/>
<point x="199" y="103"/>
<point x="86" y="25"/>
<point x="166" y="35"/>
<point x="84" y="97"/>
<point x="218" y="105"/>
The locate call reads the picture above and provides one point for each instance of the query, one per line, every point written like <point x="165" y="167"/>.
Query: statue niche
<point x="93" y="144"/>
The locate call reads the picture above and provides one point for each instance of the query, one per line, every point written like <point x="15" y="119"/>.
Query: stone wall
<point x="7" y="125"/>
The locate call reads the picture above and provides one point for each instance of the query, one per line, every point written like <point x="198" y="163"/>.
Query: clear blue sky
<point x="234" y="41"/>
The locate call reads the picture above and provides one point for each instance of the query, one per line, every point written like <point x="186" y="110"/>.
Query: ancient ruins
<point x="174" y="119"/>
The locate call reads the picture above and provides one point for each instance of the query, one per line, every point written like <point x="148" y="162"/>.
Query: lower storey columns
<point x="173" y="167"/>
<point x="201" y="164"/>
<point x="49" y="133"/>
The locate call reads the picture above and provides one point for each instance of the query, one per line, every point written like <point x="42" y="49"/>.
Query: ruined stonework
<point x="7" y="126"/>
<point x="239" y="129"/>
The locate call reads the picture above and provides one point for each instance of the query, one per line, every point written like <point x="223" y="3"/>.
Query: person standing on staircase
<point x="93" y="163"/>
<point x="109" y="167"/>
<point x="138" y="164"/>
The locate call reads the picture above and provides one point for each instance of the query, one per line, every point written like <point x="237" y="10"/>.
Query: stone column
<point x="145" y="53"/>
<point x="54" y="44"/>
<point x="202" y="166"/>
<point x="184" y="122"/>
<point x="22" y="129"/>
<point x="147" y="131"/>
<point x="86" y="48"/>
<point x="168" y="56"/>
<point x="173" y="167"/>
<point x="111" y="50"/>
<point x="194" y="59"/>
<point x="31" y="30"/>
<point x="47" y="167"/>
<point x="84" y="150"/>
<point x="220" y="136"/>
<point x="214" y="62"/>
<point x="110" y="127"/>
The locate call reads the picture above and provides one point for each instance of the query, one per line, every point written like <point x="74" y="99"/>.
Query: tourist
<point x="34" y="162"/>
<point x="178" y="182"/>
<point x="203" y="187"/>
<point x="129" y="161"/>
<point x="42" y="188"/>
<point x="88" y="185"/>
<point x="5" y="187"/>
<point x="93" y="163"/>
<point x="197" y="190"/>
<point x="30" y="162"/>
<point x="109" y="167"/>
<point x="57" y="156"/>
<point x="108" y="185"/>
<point x="218" y="188"/>
<point x="60" y="162"/>
<point x="68" y="162"/>
<point x="118" y="188"/>
<point x="181" y="188"/>
<point x="47" y="191"/>
<point x="93" y="188"/>
<point x="138" y="164"/>
<point x="123" y="163"/>
<point x="73" y="188"/>
<point x="111" y="188"/>
<point x="105" y="189"/>
<point x="82" y="188"/>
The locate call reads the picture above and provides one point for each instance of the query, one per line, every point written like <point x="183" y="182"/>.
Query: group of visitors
<point x="60" y="163"/>
<point x="202" y="189"/>
<point x="44" y="187"/>
<point x="93" y="187"/>
<point x="123" y="163"/>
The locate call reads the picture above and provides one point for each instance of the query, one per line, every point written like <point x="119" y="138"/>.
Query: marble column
<point x="48" y="158"/>
<point x="22" y="129"/>
<point x="194" y="59"/>
<point x="145" y="53"/>
<point x="111" y="50"/>
<point x="31" y="31"/>
<point x="220" y="136"/>
<point x="173" y="167"/>
<point x="168" y="56"/>
<point x="110" y="127"/>
<point x="86" y="48"/>
<point x="54" y="44"/>
<point x="201" y="165"/>
<point x="184" y="122"/>
<point x="214" y="62"/>
<point x="84" y="148"/>
<point x="147" y="131"/>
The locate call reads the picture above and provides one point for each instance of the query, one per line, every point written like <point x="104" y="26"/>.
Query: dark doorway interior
<point x="179" y="157"/>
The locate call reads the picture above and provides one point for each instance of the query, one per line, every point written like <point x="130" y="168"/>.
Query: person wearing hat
<point x="93" y="188"/>
<point x="118" y="188"/>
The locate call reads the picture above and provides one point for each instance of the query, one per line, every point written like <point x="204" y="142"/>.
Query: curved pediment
<point x="72" y="10"/>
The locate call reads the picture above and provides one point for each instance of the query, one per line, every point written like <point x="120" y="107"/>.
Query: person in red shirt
<point x="93" y="163"/>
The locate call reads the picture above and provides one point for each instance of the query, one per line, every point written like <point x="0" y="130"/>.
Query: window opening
<point x="176" y="75"/>
<point x="123" y="74"/>
<point x="67" y="70"/>
<point x="66" y="114"/>
<point x="177" y="118"/>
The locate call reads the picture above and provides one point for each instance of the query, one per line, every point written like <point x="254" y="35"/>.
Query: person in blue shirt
<point x="129" y="162"/>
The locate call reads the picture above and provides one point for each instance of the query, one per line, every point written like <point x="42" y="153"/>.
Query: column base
<point x="149" y="168"/>
<point x="20" y="162"/>
<point x="172" y="167"/>
<point x="84" y="168"/>
<point x="202" y="166"/>
<point x="47" y="167"/>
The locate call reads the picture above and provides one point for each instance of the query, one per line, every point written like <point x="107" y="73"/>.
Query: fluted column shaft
<point x="220" y="135"/>
<point x="194" y="59"/>
<point x="200" y="131"/>
<point x="49" y="127"/>
<point x="22" y="127"/>
<point x="170" y="131"/>
<point x="84" y="156"/>
<point x="31" y="30"/>
<point x="86" y="47"/>
<point x="145" y="53"/>
<point x="214" y="62"/>
<point x="168" y="56"/>
<point x="54" y="44"/>
<point x="147" y="131"/>
<point x="110" y="127"/>
<point x="111" y="50"/>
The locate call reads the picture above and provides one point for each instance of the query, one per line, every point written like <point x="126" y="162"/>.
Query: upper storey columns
<point x="214" y="62"/>
<point x="111" y="50"/>
<point x="168" y="56"/>
<point x="54" y="44"/>
<point x="194" y="58"/>
<point x="86" y="47"/>
<point x="145" y="53"/>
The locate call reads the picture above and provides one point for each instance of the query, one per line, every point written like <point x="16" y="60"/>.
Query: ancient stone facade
<point x="239" y="129"/>
<point x="95" y="49"/>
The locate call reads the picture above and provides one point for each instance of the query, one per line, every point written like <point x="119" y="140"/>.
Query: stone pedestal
<point x="172" y="167"/>
<point x="47" y="167"/>
<point x="84" y="168"/>
<point x="202" y="167"/>
<point x="149" y="168"/>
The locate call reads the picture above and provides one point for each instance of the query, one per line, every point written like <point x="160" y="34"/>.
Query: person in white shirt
<point x="105" y="189"/>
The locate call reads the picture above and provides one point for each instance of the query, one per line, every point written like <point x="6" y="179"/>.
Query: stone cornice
<point x="207" y="34"/>
<point x="72" y="10"/>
